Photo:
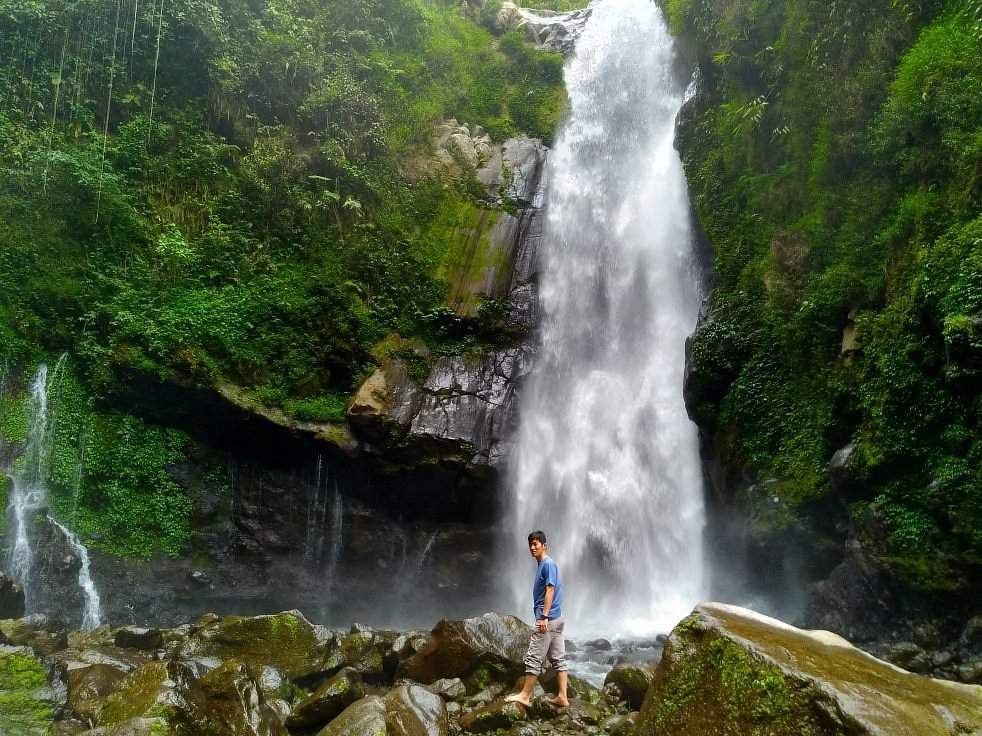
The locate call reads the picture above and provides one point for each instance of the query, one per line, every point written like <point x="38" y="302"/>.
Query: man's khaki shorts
<point x="549" y="645"/>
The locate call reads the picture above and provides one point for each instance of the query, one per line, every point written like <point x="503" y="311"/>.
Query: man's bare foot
<point x="558" y="702"/>
<point x="517" y="698"/>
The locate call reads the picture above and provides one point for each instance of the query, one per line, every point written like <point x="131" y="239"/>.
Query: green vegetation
<point x="25" y="703"/>
<point x="212" y="193"/>
<point x="835" y="157"/>
<point x="107" y="475"/>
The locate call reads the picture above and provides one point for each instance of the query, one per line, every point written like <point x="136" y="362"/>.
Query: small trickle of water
<point x="606" y="460"/>
<point x="426" y="552"/>
<point x="28" y="499"/>
<point x="92" y="616"/>
<point x="337" y="536"/>
<point x="316" y="516"/>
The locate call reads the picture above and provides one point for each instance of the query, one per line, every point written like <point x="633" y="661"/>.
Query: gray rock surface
<point x="463" y="414"/>
<point x="549" y="30"/>
<point x="11" y="598"/>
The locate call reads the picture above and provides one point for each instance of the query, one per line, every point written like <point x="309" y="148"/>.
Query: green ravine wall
<point x="834" y="154"/>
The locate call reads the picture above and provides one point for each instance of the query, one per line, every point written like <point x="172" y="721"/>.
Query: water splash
<point x="607" y="461"/>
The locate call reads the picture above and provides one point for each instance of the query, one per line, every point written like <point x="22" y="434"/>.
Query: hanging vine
<point x="109" y="103"/>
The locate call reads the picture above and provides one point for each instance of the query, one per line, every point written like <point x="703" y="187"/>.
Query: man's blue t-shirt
<point x="547" y="574"/>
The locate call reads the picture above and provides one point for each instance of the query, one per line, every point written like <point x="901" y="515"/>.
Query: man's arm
<point x="543" y="623"/>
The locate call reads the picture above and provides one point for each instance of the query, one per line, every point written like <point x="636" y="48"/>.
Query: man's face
<point x="537" y="549"/>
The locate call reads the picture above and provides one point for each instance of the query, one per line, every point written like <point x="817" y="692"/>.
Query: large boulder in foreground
<point x="478" y="650"/>
<point x="729" y="670"/>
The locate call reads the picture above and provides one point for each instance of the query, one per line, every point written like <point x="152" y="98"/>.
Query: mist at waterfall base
<point x="607" y="462"/>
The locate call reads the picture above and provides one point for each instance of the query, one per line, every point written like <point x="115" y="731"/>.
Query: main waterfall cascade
<point x="607" y="461"/>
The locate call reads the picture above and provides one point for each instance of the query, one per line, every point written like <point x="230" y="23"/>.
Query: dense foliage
<point x="835" y="157"/>
<point x="194" y="190"/>
<point x="204" y="191"/>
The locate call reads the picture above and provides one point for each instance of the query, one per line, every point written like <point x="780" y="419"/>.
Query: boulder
<point x="327" y="701"/>
<point x="134" y="637"/>
<point x="236" y="704"/>
<point x="367" y="652"/>
<point x="411" y="710"/>
<point x="407" y="710"/>
<point x="729" y="670"/>
<point x="363" y="718"/>
<point x="165" y="693"/>
<point x="88" y="686"/>
<point x="448" y="688"/>
<point x="286" y="641"/>
<point x="633" y="681"/>
<point x="11" y="598"/>
<point x="497" y="715"/>
<point x="478" y="650"/>
<point x="39" y="632"/>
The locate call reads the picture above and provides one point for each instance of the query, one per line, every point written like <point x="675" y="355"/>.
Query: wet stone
<point x="328" y="701"/>
<point x="134" y="637"/>
<point x="499" y="715"/>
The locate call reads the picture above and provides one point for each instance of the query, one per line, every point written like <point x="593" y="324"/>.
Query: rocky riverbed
<point x="280" y="674"/>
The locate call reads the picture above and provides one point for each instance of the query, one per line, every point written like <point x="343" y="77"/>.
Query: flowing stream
<point x="607" y="461"/>
<point x="28" y="497"/>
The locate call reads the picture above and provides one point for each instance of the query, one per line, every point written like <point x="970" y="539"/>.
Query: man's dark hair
<point x="538" y="536"/>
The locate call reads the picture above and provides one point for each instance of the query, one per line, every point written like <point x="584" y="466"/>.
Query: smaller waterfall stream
<point x="28" y="497"/>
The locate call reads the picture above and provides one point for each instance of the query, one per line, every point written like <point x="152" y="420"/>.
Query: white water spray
<point x="607" y="461"/>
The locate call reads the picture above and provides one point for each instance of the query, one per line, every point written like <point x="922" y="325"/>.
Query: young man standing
<point x="547" y="637"/>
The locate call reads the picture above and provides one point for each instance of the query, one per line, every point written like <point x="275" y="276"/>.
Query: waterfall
<point x="28" y="498"/>
<point x="606" y="460"/>
<point x="92" y="615"/>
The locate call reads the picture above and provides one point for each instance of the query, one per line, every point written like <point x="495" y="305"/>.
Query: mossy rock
<point x="88" y="686"/>
<point x="732" y="672"/>
<point x="42" y="634"/>
<point x="286" y="641"/>
<point x="478" y="650"/>
<point x="328" y="701"/>
<point x="235" y="701"/>
<point x="363" y="718"/>
<point x="497" y="715"/>
<point x="633" y="681"/>
<point x="162" y="692"/>
<point x="27" y="701"/>
<point x="411" y="710"/>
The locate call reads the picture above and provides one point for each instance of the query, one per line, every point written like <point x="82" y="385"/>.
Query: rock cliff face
<point x="462" y="414"/>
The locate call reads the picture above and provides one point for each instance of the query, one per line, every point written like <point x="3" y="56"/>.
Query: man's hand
<point x="543" y="625"/>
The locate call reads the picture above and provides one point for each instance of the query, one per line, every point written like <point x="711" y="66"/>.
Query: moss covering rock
<point x="286" y="641"/>
<point x="166" y="693"/>
<point x="731" y="672"/>
<point x="27" y="701"/>
<point x="632" y="680"/>
<point x="236" y="703"/>
<point x="328" y="700"/>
